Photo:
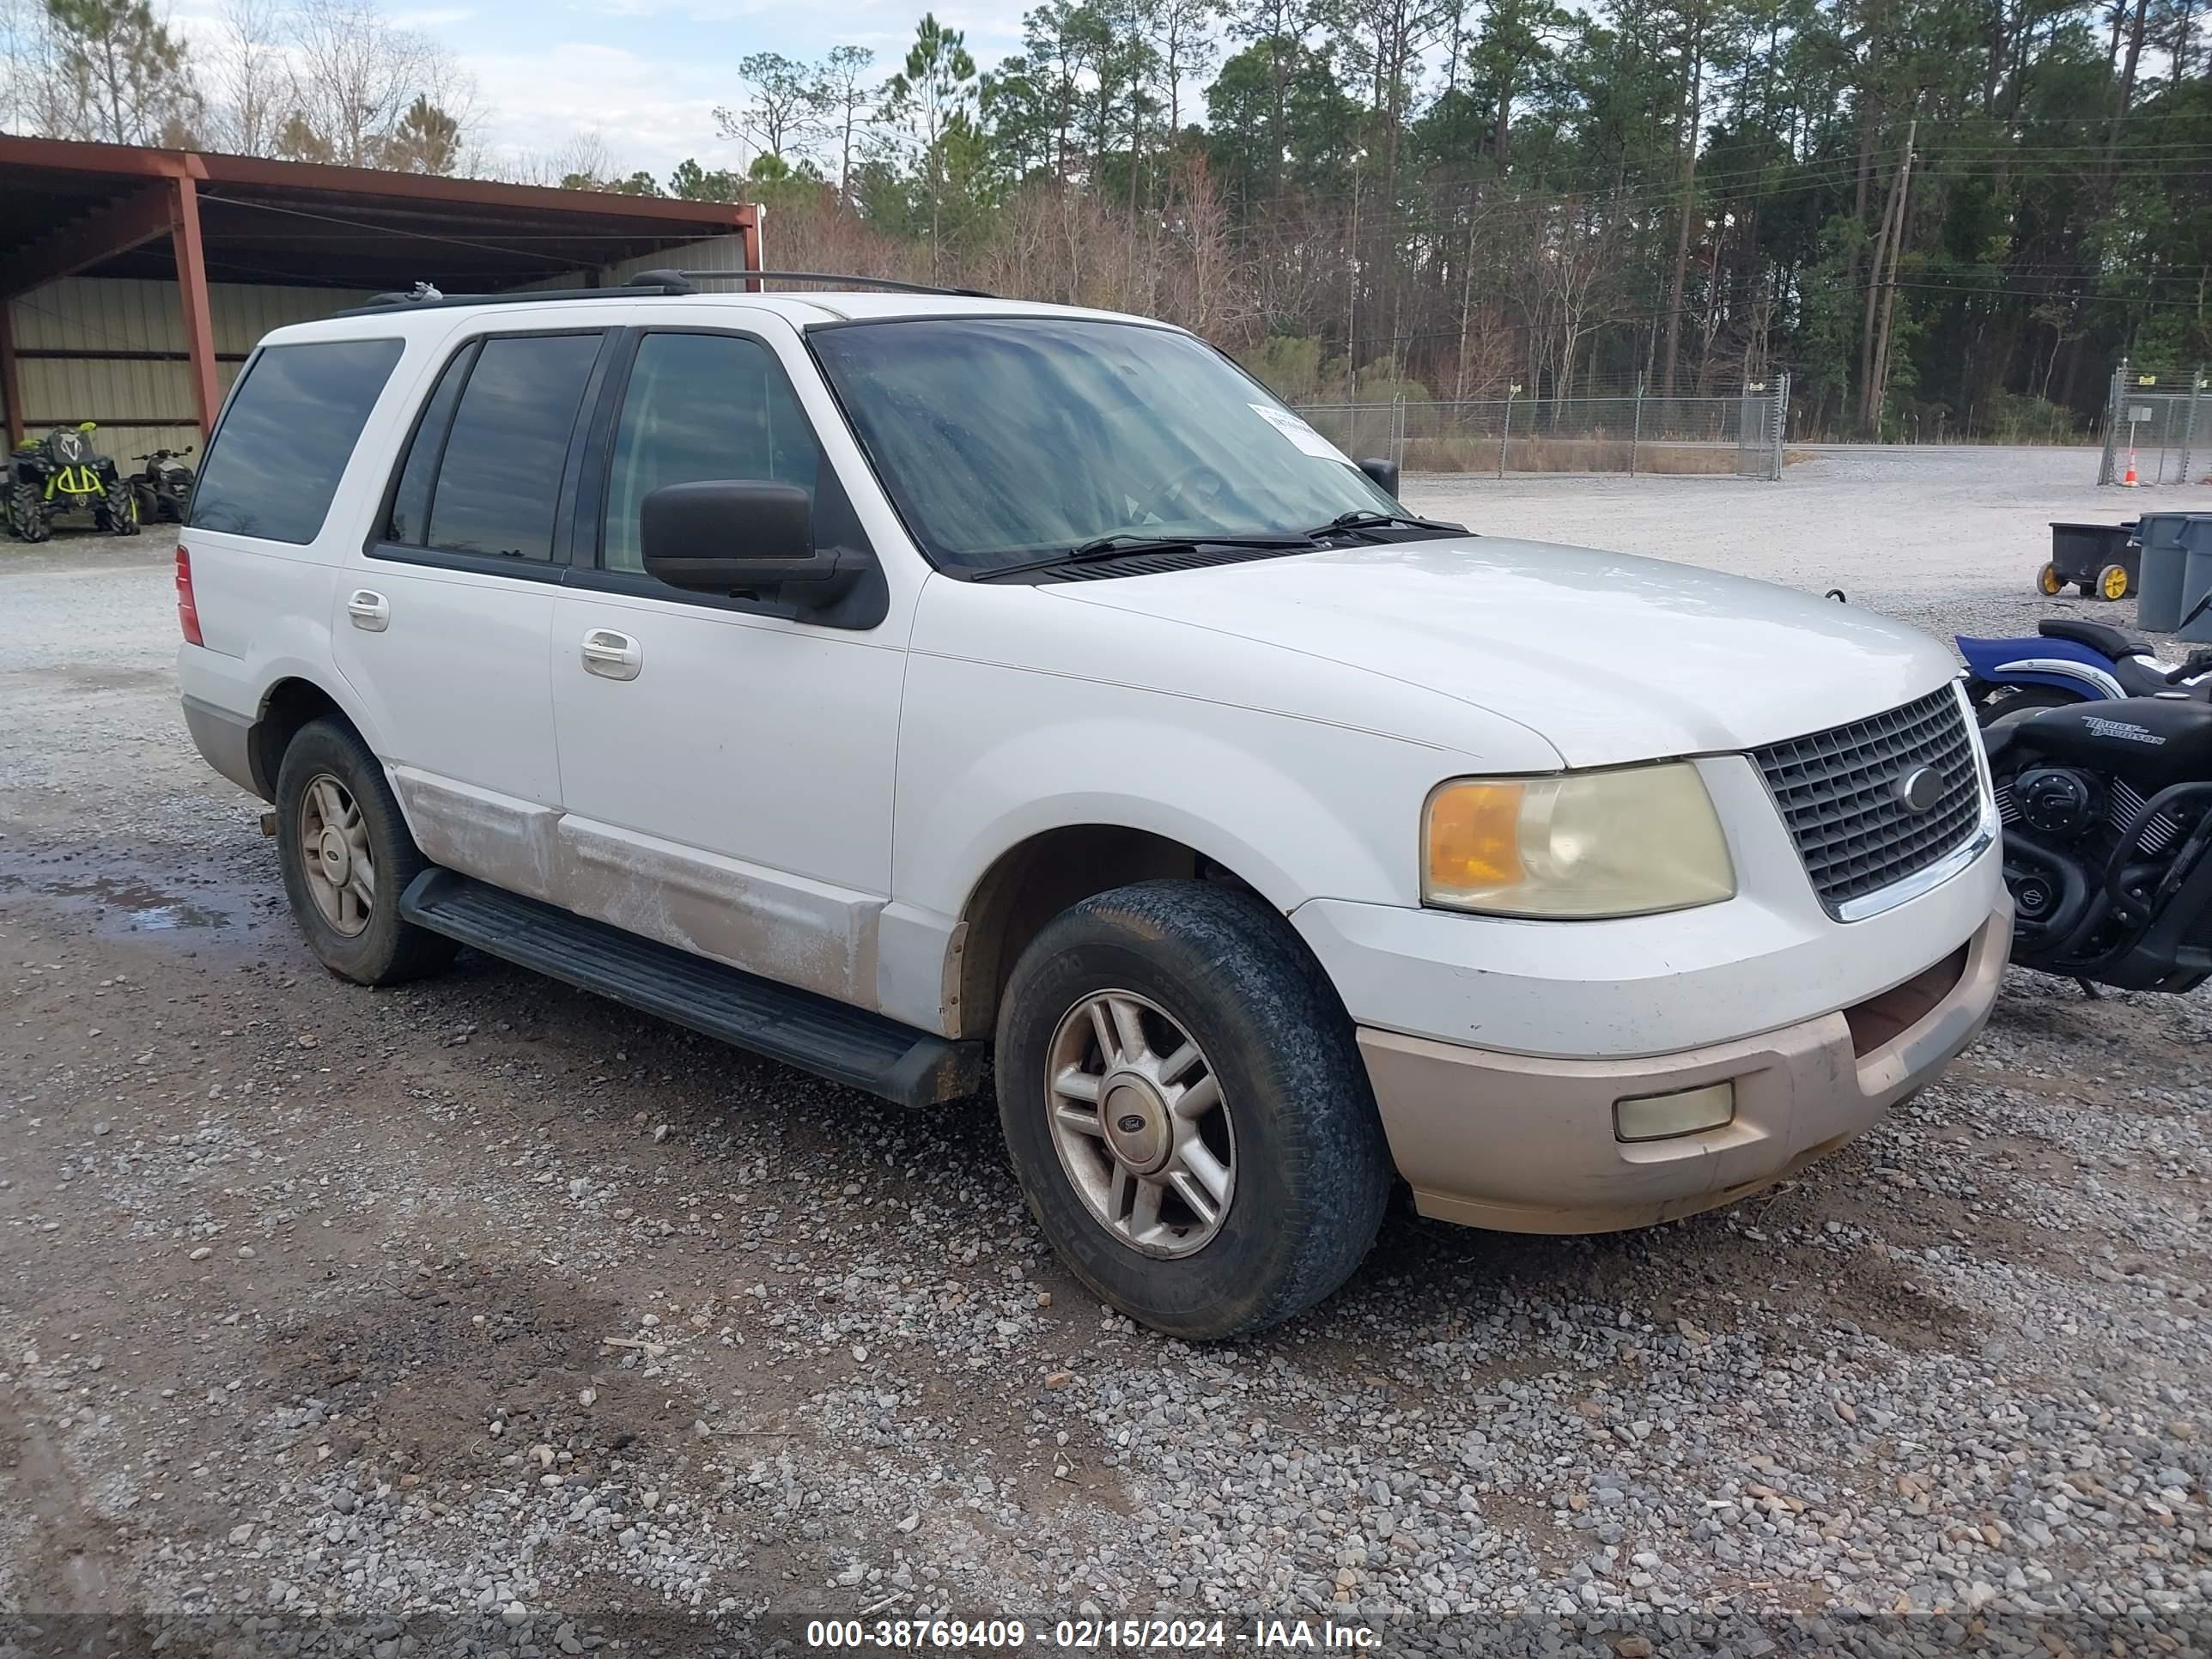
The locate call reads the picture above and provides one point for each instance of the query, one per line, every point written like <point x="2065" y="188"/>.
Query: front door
<point x="726" y="774"/>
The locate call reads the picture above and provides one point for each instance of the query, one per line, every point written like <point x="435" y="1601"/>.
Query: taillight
<point x="188" y="610"/>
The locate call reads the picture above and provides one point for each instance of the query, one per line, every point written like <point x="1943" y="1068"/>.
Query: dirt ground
<point x="487" y="1308"/>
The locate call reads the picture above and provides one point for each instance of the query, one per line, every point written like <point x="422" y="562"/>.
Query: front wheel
<point x="346" y="857"/>
<point x="2049" y="582"/>
<point x="26" y="514"/>
<point x="1186" y="1109"/>
<point x="118" y="512"/>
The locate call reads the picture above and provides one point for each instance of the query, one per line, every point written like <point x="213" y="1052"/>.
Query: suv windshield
<point x="1005" y="440"/>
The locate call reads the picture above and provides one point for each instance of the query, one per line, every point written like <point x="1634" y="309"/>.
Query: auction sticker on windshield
<point x="1310" y="441"/>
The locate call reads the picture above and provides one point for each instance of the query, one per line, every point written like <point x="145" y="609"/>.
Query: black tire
<point x="118" y="513"/>
<point x="1312" y="1173"/>
<point x="26" y="514"/>
<point x="2008" y="703"/>
<point x="387" y="950"/>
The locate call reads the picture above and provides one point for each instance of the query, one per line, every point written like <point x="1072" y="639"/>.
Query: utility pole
<point x="1352" y="297"/>
<point x="1880" y="387"/>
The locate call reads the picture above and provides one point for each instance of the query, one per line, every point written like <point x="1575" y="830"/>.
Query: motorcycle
<point x="2069" y="660"/>
<point x="2107" y="811"/>
<point x="163" y="487"/>
<point x="62" y="472"/>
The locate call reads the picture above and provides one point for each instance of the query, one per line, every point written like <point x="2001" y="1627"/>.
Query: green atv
<point x="62" y="473"/>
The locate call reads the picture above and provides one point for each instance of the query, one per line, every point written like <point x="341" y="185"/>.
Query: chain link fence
<point x="1739" y="434"/>
<point x="2158" y="428"/>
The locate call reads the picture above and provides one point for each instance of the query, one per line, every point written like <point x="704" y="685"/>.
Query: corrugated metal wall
<point x="142" y="401"/>
<point x="712" y="253"/>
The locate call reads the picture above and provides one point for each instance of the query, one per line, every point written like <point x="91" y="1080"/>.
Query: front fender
<point x="1296" y="810"/>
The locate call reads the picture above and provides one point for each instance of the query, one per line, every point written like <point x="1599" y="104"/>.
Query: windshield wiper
<point x="1363" y="519"/>
<point x="1122" y="544"/>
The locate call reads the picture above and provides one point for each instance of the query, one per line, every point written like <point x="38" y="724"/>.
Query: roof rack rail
<point x="426" y="298"/>
<point x="668" y="280"/>
<point x="669" y="283"/>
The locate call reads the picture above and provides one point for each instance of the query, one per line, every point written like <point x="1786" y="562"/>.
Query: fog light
<point x="1660" y="1117"/>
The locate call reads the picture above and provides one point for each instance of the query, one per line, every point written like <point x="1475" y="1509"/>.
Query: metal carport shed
<point x="134" y="282"/>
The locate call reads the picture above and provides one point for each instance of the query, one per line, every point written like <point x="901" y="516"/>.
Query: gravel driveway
<point x="484" y="1314"/>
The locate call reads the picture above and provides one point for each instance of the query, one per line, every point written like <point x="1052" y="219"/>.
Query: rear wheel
<point x="2113" y="583"/>
<point x="2049" y="582"/>
<point x="347" y="858"/>
<point x="26" y="514"/>
<point x="2012" y="704"/>
<point x="1186" y="1109"/>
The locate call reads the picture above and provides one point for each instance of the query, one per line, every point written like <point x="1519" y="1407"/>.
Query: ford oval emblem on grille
<point x="1920" y="789"/>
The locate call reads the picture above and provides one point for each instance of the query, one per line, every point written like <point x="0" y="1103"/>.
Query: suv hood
<point x="1609" y="657"/>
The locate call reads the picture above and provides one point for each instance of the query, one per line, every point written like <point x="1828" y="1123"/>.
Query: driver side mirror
<point x="1384" y="473"/>
<point x="744" y="536"/>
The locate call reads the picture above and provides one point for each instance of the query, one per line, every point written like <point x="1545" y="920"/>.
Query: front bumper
<point x="1523" y="1143"/>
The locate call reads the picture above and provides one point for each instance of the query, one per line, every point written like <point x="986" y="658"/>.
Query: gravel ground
<point x="484" y="1316"/>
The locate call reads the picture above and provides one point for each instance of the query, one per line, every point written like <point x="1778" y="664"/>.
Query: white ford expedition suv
<point x="882" y="682"/>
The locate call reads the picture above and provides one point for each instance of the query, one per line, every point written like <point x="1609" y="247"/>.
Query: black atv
<point x="163" y="487"/>
<point x="62" y="472"/>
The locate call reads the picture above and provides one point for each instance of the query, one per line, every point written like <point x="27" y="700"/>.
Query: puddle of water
<point x="157" y="918"/>
<point x="128" y="903"/>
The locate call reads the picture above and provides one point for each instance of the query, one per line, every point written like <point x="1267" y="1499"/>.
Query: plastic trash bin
<point x="2197" y="580"/>
<point x="2165" y="555"/>
<point x="2101" y="559"/>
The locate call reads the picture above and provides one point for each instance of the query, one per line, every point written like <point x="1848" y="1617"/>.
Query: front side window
<point x="1005" y="439"/>
<point x="499" y="476"/>
<point x="286" y="436"/>
<point x="700" y="406"/>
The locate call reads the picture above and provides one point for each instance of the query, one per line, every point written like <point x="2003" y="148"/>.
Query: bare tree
<point x="23" y="64"/>
<point x="356" y="74"/>
<point x="249" y="79"/>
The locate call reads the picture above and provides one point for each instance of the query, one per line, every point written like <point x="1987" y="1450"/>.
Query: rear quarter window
<point x="286" y="436"/>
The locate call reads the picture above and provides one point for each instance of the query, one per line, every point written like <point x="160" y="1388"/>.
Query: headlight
<point x="1618" y="843"/>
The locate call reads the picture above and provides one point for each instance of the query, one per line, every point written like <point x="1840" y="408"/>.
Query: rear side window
<point x="410" y="501"/>
<point x="498" y="475"/>
<point x="286" y="436"/>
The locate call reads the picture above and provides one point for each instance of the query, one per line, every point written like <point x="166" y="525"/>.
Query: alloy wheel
<point x="335" y="854"/>
<point x="1141" y="1124"/>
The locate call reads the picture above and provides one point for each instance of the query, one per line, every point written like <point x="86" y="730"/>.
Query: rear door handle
<point x="612" y="656"/>
<point x="369" y="612"/>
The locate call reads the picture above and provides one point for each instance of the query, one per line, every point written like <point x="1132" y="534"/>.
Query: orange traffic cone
<point x="2129" y="482"/>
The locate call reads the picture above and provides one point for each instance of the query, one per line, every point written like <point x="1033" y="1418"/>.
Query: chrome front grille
<point x="1841" y="793"/>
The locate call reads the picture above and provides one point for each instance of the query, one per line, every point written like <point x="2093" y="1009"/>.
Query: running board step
<point x="846" y="1045"/>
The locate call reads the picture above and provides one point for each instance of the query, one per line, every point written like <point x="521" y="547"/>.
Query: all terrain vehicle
<point x="163" y="488"/>
<point x="64" y="472"/>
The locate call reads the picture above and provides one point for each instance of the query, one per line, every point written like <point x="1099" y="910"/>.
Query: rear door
<point x="726" y="771"/>
<point x="442" y="625"/>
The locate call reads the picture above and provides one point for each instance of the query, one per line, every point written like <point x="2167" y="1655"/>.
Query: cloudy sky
<point x="645" y="74"/>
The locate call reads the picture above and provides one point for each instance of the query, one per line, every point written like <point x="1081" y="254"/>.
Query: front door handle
<point x="370" y="612"/>
<point x="612" y="656"/>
